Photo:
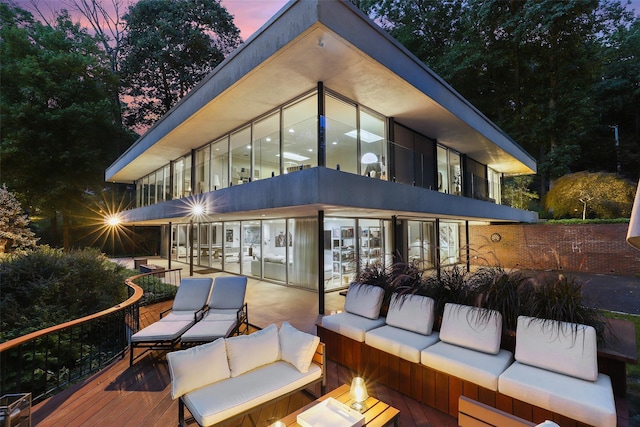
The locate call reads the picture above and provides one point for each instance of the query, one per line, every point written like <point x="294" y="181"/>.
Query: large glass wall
<point x="220" y="163"/>
<point x="231" y="260"/>
<point x="373" y="148"/>
<point x="449" y="171"/>
<point x="449" y="242"/>
<point x="341" y="135"/>
<point x="273" y="262"/>
<point x="266" y="147"/>
<point x="240" y="147"/>
<point x="422" y="243"/>
<point x="203" y="169"/>
<point x="300" y="135"/>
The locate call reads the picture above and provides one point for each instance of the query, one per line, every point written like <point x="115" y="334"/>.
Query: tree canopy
<point x="170" y="46"/>
<point x="58" y="134"/>
<point x="14" y="224"/>
<point x="590" y="195"/>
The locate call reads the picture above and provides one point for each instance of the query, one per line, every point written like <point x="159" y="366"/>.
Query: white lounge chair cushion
<point x="477" y="367"/>
<point x="364" y="300"/>
<point x="471" y="327"/>
<point x="297" y="347"/>
<point x="197" y="367"/>
<point x="214" y="314"/>
<point x="212" y="404"/>
<point x="204" y="331"/>
<point x="192" y="294"/>
<point x="162" y="331"/>
<point x="399" y="342"/>
<point x="411" y="312"/>
<point x="351" y="325"/>
<point x="566" y="348"/>
<point x="247" y="352"/>
<point x="179" y="316"/>
<point x="585" y="401"/>
<point x="228" y="292"/>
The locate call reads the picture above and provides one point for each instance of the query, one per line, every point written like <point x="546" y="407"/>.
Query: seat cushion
<point x="247" y="352"/>
<point x="364" y="300"/>
<point x="400" y="342"/>
<point x="411" y="312"/>
<point x="228" y="292"/>
<point x="351" y="325"/>
<point x="192" y="294"/>
<point x="162" y="331"/>
<point x="297" y="347"/>
<point x="174" y="315"/>
<point x="590" y="402"/>
<point x="204" y="331"/>
<point x="215" y="314"/>
<point x="197" y="367"/>
<point x="477" y="367"/>
<point x="566" y="348"/>
<point x="474" y="328"/>
<point x="217" y="402"/>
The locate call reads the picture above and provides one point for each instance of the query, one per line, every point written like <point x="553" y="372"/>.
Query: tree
<point x="14" y="224"/>
<point x="58" y="135"/>
<point x="517" y="193"/>
<point x="170" y="46"/>
<point x="595" y="195"/>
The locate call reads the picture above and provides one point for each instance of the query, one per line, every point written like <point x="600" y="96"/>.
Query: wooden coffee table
<point x="376" y="414"/>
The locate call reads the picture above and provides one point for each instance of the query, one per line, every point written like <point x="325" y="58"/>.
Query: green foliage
<point x="14" y="224"/>
<point x="58" y="133"/>
<point x="46" y="287"/>
<point x="516" y="191"/>
<point x="171" y="46"/>
<point x="594" y="195"/>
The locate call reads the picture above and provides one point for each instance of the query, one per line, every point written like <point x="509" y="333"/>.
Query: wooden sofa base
<point x="424" y="384"/>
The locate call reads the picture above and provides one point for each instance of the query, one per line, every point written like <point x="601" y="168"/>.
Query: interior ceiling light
<point x="293" y="156"/>
<point x="365" y="136"/>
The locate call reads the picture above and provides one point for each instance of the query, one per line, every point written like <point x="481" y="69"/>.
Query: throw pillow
<point x="364" y="300"/>
<point x="247" y="352"/>
<point x="297" y="347"/>
<point x="197" y="367"/>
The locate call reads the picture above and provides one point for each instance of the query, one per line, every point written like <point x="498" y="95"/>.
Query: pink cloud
<point x="250" y="15"/>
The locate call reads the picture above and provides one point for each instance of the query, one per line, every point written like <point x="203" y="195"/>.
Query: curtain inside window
<point x="305" y="254"/>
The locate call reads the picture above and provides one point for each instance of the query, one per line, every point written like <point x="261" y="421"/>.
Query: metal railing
<point x="46" y="362"/>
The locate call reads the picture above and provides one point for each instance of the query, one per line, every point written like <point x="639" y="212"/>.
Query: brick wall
<point x="593" y="248"/>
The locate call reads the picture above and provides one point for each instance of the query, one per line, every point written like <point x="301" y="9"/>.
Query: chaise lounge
<point x="187" y="309"/>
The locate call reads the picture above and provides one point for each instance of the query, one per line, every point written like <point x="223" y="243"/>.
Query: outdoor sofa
<point x="467" y="360"/>
<point x="230" y="377"/>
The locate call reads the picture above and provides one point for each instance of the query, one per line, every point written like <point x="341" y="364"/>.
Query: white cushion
<point x="351" y="325"/>
<point x="400" y="342"/>
<point x="197" y="367"/>
<point x="364" y="300"/>
<point x="411" y="312"/>
<point x="562" y="347"/>
<point x="477" y="367"/>
<point x="585" y="401"/>
<point x="162" y="331"/>
<point x="214" y="314"/>
<point x="212" y="404"/>
<point x="247" y="352"/>
<point x="471" y="327"/>
<point x="297" y="347"/>
<point x="178" y="316"/>
<point x="204" y="331"/>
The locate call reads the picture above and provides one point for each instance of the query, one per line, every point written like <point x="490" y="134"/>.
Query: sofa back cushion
<point x="364" y="300"/>
<point x="197" y="367"/>
<point x="411" y="312"/>
<point x="297" y="347"/>
<point x="471" y="327"/>
<point x="567" y="348"/>
<point x="247" y="352"/>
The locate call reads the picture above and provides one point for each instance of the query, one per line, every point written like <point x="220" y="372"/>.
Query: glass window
<point x="443" y="170"/>
<point x="217" y="243"/>
<point x="203" y="166"/>
<point x="266" y="147"/>
<point x="159" y="186"/>
<point x="178" y="178"/>
<point x="301" y="240"/>
<point x="231" y="262"/>
<point x="251" y="247"/>
<point x="241" y="156"/>
<point x="139" y="193"/>
<point x="187" y="188"/>
<point x="220" y="163"/>
<point x="152" y="188"/>
<point x="455" y="173"/>
<point x="372" y="145"/>
<point x="341" y="250"/>
<point x="300" y="135"/>
<point x="274" y="250"/>
<point x="422" y="237"/>
<point x="495" y="191"/>
<point x="341" y="135"/>
<point x="449" y="243"/>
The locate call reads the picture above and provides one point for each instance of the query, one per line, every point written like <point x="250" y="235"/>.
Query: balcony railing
<point x="47" y="361"/>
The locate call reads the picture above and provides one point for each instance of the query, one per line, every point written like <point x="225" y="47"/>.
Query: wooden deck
<point x="140" y="396"/>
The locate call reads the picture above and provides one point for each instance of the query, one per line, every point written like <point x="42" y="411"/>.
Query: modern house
<point x="318" y="146"/>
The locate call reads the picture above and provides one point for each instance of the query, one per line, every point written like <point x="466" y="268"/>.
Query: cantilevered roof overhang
<point x="315" y="41"/>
